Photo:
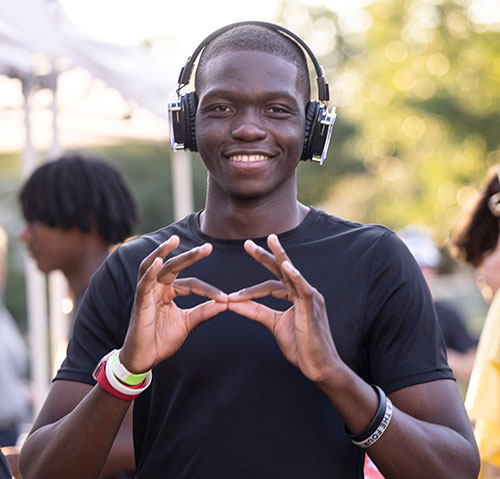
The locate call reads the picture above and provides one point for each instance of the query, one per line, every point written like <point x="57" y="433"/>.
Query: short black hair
<point x="81" y="191"/>
<point x="257" y="38"/>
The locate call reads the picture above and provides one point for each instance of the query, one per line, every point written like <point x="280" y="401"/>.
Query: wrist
<point x="123" y="373"/>
<point x="106" y="378"/>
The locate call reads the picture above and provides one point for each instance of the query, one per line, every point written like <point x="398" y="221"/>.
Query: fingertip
<point x="174" y="239"/>
<point x="272" y="239"/>
<point x="206" y="248"/>
<point x="248" y="244"/>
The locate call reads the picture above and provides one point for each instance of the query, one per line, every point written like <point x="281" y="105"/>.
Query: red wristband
<point x="101" y="378"/>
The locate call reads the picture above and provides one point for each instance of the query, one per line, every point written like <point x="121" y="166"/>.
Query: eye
<point x="220" y="109"/>
<point x="277" y="110"/>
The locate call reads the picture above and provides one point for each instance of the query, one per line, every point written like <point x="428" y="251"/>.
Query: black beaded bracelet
<point x="375" y="422"/>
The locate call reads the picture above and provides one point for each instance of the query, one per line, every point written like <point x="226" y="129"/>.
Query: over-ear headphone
<point x="319" y="122"/>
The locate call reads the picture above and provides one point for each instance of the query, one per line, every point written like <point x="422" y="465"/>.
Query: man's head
<point x="256" y="38"/>
<point x="252" y="89"/>
<point x="68" y="198"/>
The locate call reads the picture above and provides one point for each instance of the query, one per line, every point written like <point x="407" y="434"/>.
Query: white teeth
<point x="248" y="158"/>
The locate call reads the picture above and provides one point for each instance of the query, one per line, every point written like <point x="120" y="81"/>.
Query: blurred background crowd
<point x="416" y="87"/>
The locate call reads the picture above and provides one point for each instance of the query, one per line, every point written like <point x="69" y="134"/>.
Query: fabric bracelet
<point x="122" y="373"/>
<point x="379" y="423"/>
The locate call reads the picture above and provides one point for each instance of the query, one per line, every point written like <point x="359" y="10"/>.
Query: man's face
<point x="51" y="248"/>
<point x="488" y="274"/>
<point x="250" y="122"/>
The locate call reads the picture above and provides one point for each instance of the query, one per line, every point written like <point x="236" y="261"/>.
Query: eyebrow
<point x="265" y="96"/>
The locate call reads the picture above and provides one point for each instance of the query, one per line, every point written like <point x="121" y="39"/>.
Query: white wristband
<point x="122" y="373"/>
<point x="121" y="387"/>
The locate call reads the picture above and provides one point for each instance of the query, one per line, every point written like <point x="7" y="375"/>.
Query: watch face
<point x="98" y="368"/>
<point x="101" y="364"/>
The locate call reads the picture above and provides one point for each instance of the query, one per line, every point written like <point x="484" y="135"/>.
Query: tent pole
<point x="35" y="281"/>
<point x="58" y="284"/>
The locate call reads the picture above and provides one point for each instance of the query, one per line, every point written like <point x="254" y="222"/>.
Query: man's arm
<point x="73" y="433"/>
<point x="429" y="435"/>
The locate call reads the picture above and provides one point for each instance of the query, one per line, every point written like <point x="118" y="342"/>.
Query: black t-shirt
<point x="228" y="404"/>
<point x="452" y="325"/>
<point x="4" y="468"/>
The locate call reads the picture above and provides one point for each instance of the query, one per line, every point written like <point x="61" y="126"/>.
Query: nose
<point x="248" y="127"/>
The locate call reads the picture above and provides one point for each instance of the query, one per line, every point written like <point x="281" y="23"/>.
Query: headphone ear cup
<point x="190" y="104"/>
<point x="312" y="110"/>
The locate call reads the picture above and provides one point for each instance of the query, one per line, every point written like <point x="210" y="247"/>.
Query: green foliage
<point x="418" y="115"/>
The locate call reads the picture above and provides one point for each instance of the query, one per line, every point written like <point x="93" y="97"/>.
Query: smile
<point x="249" y="158"/>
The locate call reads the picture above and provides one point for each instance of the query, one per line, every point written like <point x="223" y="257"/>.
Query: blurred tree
<point x="419" y="107"/>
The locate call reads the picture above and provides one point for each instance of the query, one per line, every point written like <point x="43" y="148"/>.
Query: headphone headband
<point x="318" y="120"/>
<point x="185" y="74"/>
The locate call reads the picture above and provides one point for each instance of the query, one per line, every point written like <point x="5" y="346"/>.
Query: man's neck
<point x="242" y="220"/>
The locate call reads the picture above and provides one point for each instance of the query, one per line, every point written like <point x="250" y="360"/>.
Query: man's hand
<point x="158" y="327"/>
<point x="302" y="331"/>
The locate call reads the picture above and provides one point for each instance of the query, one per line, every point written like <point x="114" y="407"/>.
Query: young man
<point x="343" y="305"/>
<point x="76" y="208"/>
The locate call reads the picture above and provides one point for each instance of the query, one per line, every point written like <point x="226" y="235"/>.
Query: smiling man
<point x="259" y="337"/>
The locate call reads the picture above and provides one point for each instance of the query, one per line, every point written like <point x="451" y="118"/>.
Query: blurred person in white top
<point x="14" y="403"/>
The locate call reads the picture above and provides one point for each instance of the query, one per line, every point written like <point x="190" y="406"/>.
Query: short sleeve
<point x="4" y="468"/>
<point x="102" y="320"/>
<point x="401" y="331"/>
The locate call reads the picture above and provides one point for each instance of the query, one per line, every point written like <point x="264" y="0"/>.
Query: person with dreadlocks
<point x="76" y="208"/>
<point x="477" y="242"/>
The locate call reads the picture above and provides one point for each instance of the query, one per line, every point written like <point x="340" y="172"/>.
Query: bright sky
<point x="130" y="21"/>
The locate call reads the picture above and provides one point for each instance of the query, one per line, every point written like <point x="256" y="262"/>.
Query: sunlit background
<point x="415" y="83"/>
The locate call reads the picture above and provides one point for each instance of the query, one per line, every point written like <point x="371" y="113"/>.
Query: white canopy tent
<point x="38" y="44"/>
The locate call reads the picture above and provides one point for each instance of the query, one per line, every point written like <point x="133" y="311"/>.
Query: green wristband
<point x="122" y="373"/>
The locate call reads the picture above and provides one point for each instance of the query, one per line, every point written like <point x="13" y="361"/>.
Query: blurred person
<point x="266" y="351"/>
<point x="14" y="397"/>
<point x="460" y="345"/>
<point x="15" y="407"/>
<point x="477" y="242"/>
<point x="76" y="208"/>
